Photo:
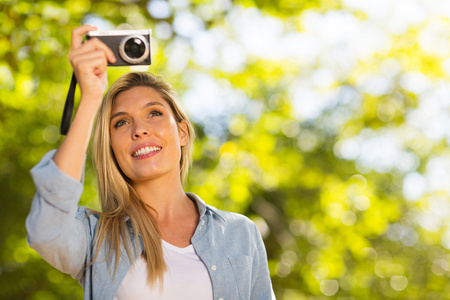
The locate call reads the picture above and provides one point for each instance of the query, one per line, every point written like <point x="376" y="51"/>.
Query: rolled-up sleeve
<point x="53" y="229"/>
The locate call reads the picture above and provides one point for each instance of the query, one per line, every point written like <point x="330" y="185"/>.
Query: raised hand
<point x="89" y="61"/>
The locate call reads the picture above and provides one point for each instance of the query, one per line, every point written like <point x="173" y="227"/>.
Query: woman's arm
<point x="57" y="229"/>
<point x="54" y="230"/>
<point x="89" y="61"/>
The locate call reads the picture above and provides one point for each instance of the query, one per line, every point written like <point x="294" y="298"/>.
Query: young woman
<point x="151" y="240"/>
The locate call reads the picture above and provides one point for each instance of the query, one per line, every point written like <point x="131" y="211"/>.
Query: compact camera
<point x="131" y="47"/>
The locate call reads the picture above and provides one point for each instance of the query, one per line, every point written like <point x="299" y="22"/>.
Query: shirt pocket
<point x="242" y="270"/>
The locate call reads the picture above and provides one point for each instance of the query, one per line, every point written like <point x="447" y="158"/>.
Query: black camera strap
<point x="68" y="107"/>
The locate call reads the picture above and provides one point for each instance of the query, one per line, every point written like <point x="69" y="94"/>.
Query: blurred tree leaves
<point x="337" y="149"/>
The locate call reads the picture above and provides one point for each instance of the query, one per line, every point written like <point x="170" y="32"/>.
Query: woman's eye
<point x="155" y="113"/>
<point x="120" y="123"/>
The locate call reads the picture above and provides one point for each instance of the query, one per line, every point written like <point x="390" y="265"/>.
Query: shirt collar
<point x="203" y="208"/>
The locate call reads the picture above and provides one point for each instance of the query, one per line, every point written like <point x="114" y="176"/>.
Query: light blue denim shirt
<point x="229" y="244"/>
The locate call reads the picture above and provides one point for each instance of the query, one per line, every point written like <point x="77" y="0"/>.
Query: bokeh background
<point x="325" y="121"/>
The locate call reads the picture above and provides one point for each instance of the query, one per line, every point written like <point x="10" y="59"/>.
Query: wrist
<point x="85" y="114"/>
<point x="90" y="103"/>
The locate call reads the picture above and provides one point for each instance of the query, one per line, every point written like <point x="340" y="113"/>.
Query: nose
<point x="140" y="131"/>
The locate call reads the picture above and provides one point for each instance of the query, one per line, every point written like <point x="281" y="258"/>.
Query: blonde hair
<point x="118" y="198"/>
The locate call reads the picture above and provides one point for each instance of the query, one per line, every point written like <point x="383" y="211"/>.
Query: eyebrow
<point x="151" y="104"/>
<point x="147" y="105"/>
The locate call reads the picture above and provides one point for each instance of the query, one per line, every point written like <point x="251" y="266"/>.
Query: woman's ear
<point x="183" y="132"/>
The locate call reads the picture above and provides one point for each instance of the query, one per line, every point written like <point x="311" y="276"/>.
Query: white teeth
<point x="146" y="150"/>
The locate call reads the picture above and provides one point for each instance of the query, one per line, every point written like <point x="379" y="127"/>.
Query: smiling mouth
<point x="145" y="150"/>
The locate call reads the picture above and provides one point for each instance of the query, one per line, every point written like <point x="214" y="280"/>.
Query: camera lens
<point x="134" y="49"/>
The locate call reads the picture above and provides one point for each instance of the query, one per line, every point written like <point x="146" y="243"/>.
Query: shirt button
<point x="213" y="267"/>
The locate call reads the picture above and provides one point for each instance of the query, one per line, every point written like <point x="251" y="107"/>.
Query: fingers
<point x="90" y="71"/>
<point x="109" y="54"/>
<point x="92" y="61"/>
<point x="89" y="61"/>
<point x="77" y="35"/>
<point x="93" y="45"/>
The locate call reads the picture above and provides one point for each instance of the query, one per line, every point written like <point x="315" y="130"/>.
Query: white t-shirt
<point x="186" y="278"/>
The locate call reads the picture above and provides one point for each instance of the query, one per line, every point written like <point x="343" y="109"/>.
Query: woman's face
<point x="145" y="137"/>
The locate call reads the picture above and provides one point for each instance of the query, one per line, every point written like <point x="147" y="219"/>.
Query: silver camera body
<point x="131" y="47"/>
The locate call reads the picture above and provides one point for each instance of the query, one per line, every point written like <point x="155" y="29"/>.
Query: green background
<point x="326" y="122"/>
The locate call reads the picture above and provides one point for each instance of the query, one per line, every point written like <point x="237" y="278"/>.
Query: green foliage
<point x="334" y="153"/>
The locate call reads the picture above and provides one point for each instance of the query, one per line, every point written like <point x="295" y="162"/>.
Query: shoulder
<point x="230" y="222"/>
<point x="235" y="233"/>
<point x="238" y="225"/>
<point x="232" y="218"/>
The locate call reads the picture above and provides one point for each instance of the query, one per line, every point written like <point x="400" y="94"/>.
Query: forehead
<point x="136" y="98"/>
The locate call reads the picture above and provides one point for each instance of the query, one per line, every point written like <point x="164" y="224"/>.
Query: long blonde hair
<point x="118" y="198"/>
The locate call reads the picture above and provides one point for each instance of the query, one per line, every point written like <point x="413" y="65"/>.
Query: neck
<point x="166" y="197"/>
